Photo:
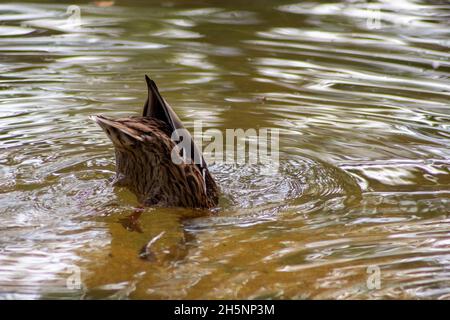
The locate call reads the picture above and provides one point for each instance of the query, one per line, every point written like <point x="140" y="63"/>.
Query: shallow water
<point x="363" y="111"/>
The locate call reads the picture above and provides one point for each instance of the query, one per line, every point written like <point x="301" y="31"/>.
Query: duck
<point x="147" y="164"/>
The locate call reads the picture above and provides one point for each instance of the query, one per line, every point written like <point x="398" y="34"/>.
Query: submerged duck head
<point x="149" y="161"/>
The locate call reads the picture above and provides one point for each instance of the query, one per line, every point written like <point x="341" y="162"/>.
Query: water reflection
<point x="364" y="174"/>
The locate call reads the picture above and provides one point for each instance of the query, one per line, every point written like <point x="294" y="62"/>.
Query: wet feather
<point x="143" y="149"/>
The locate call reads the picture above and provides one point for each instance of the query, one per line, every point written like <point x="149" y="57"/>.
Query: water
<point x="362" y="106"/>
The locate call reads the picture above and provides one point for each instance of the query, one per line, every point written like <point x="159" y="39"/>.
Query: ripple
<point x="14" y="31"/>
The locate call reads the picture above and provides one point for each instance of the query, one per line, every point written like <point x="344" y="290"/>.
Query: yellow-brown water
<point x="363" y="111"/>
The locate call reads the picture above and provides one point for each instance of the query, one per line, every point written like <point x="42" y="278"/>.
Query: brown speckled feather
<point x="143" y="147"/>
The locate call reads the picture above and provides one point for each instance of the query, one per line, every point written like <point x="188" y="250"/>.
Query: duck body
<point x="150" y="163"/>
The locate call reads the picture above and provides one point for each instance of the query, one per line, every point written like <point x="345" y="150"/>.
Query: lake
<point x="358" y="207"/>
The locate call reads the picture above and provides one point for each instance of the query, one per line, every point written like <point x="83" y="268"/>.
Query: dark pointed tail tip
<point x="149" y="81"/>
<point x="151" y="84"/>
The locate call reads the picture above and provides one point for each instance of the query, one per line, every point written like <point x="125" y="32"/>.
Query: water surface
<point x="362" y="106"/>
